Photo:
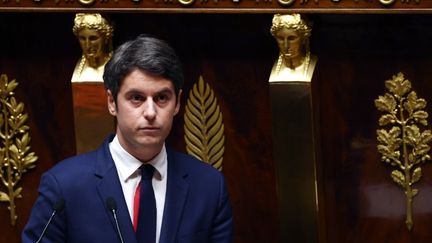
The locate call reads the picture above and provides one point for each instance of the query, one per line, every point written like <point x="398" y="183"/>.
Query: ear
<point x="177" y="108"/>
<point x="112" y="108"/>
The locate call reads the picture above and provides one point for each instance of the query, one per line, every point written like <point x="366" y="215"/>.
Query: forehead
<point x="145" y="82"/>
<point x="287" y="32"/>
<point x="89" y="32"/>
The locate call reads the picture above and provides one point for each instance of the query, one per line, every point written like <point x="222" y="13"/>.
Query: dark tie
<point x="146" y="229"/>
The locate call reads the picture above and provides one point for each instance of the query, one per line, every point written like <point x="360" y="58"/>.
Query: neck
<point x="96" y="62"/>
<point x="294" y="62"/>
<point x="145" y="154"/>
<point x="142" y="153"/>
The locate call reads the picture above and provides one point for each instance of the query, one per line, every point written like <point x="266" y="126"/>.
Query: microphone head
<point x="59" y="205"/>
<point x="111" y="203"/>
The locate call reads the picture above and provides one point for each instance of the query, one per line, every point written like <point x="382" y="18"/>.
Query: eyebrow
<point x="165" y="90"/>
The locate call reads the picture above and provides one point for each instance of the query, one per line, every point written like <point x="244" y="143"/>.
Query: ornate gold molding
<point x="400" y="142"/>
<point x="283" y="4"/>
<point x="390" y="2"/>
<point x="204" y="129"/>
<point x="86" y="2"/>
<point x="15" y="158"/>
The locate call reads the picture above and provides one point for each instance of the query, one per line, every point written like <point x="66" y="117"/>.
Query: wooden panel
<point x="34" y="52"/>
<point x="359" y="201"/>
<point x="294" y="156"/>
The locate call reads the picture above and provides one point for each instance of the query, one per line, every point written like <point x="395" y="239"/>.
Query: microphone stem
<point x="46" y="226"/>
<point x="117" y="225"/>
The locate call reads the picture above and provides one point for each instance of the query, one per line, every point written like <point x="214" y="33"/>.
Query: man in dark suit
<point x="103" y="196"/>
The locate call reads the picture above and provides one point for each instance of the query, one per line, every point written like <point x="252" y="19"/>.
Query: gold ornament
<point x="204" y="130"/>
<point x="92" y="21"/>
<point x="290" y="21"/>
<point x="186" y="2"/>
<point x="15" y="158"/>
<point x="401" y="143"/>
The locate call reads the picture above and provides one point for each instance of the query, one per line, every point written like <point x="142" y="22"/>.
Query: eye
<point x="94" y="37"/>
<point x="135" y="98"/>
<point x="279" y="38"/>
<point x="162" y="98"/>
<point x="292" y="37"/>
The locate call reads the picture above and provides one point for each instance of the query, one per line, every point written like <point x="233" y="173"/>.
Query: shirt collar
<point x="127" y="165"/>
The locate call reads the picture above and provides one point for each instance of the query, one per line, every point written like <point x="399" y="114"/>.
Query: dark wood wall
<point x="234" y="53"/>
<point x="35" y="52"/>
<point x="359" y="200"/>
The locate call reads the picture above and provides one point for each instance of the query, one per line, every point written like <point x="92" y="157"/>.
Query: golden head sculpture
<point x="292" y="32"/>
<point x="94" y="34"/>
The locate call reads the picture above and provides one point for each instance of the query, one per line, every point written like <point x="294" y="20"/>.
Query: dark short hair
<point x="145" y="53"/>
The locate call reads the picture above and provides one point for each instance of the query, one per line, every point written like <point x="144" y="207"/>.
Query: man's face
<point x="91" y="42"/>
<point x="146" y="106"/>
<point x="289" y="42"/>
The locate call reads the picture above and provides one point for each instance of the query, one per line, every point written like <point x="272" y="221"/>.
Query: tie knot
<point x="147" y="171"/>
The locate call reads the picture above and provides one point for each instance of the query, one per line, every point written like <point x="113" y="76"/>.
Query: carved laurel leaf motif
<point x="15" y="158"/>
<point x="386" y="119"/>
<point x="413" y="103"/>
<point x="403" y="145"/>
<point x="398" y="85"/>
<point x="386" y="103"/>
<point x="398" y="177"/>
<point x="204" y="129"/>
<point x="416" y="174"/>
<point x="4" y="197"/>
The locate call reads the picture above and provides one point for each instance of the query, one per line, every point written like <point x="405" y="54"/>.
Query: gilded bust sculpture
<point x="295" y="62"/>
<point x="94" y="34"/>
<point x="91" y="117"/>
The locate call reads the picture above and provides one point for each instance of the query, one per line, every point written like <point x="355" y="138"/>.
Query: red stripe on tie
<point x="136" y="206"/>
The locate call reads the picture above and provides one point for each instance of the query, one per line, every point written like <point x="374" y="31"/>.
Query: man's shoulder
<point x="84" y="161"/>
<point x="78" y="163"/>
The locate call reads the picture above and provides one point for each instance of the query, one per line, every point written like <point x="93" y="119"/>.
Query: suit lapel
<point x="177" y="189"/>
<point x="110" y="186"/>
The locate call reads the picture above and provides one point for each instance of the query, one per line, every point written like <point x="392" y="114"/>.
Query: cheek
<point x="297" y="43"/>
<point x="133" y="114"/>
<point x="297" y="47"/>
<point x="126" y="112"/>
<point x="83" y="45"/>
<point x="280" y="43"/>
<point x="167" y="116"/>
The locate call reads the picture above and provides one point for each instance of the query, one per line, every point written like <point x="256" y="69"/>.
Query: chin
<point x="149" y="142"/>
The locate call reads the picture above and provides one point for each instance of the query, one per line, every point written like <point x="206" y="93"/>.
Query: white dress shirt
<point x="130" y="176"/>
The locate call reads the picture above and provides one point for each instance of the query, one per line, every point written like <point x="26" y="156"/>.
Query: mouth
<point x="288" y="53"/>
<point x="149" y="129"/>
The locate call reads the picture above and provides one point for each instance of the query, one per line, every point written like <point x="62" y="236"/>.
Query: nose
<point x="85" y="43"/>
<point x="149" y="110"/>
<point x="286" y="44"/>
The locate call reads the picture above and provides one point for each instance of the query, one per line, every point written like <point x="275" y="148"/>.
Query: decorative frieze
<point x="273" y="6"/>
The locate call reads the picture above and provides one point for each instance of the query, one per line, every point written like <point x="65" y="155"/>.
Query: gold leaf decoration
<point x="204" y="130"/>
<point x="401" y="142"/>
<point x="15" y="155"/>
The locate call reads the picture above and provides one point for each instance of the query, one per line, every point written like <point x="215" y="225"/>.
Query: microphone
<point x="58" y="206"/>
<point x="112" y="206"/>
